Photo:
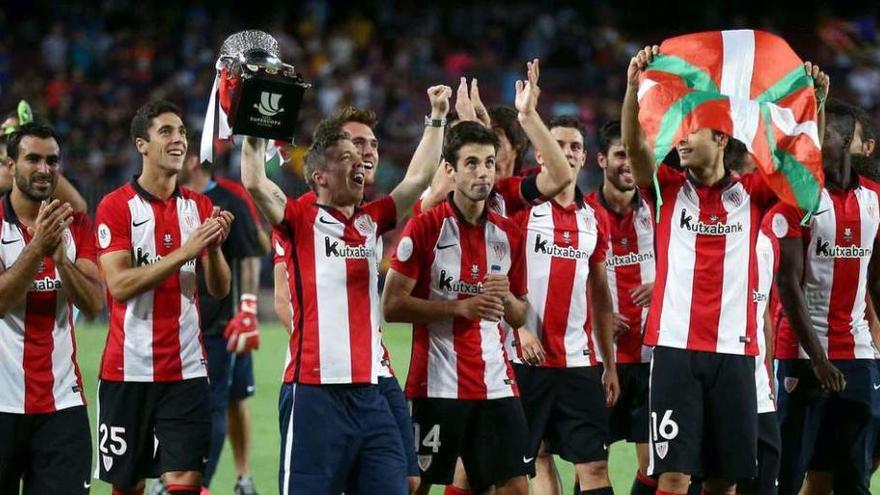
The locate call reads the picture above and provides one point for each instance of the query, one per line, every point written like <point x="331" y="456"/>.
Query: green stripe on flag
<point x="693" y="76"/>
<point x="800" y="179"/>
<point x="791" y="82"/>
<point x="672" y="119"/>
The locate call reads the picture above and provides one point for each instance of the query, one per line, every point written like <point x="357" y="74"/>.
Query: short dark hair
<point x="735" y="154"/>
<point x="142" y="120"/>
<point x="328" y="133"/>
<point x="609" y="133"/>
<point x="33" y="129"/>
<point x="352" y="114"/>
<point x="466" y="133"/>
<point x="505" y="119"/>
<point x="568" y="121"/>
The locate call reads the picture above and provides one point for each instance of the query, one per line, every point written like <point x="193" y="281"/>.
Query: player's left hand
<point x="531" y="348"/>
<point x="497" y="285"/>
<point x="224" y="219"/>
<point x="464" y="107"/>
<point x="242" y="333"/>
<point x="821" y="82"/>
<point x="479" y="108"/>
<point x="611" y="385"/>
<point x="527" y="92"/>
<point x="641" y="295"/>
<point x="439" y="98"/>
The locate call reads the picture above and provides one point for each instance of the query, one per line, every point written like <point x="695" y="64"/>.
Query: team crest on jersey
<point x="499" y="248"/>
<point x="566" y="237"/>
<point x="624" y="242"/>
<point x="735" y="198"/>
<point x="847" y="233"/>
<point x="475" y="271"/>
<point x="190" y="222"/>
<point x="645" y="222"/>
<point x="167" y="240"/>
<point x="364" y="225"/>
<point x="425" y="462"/>
<point x="790" y="383"/>
<point x="108" y="462"/>
<point x="662" y="449"/>
<point x="103" y="236"/>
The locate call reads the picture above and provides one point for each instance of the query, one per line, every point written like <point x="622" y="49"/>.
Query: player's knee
<point x="674" y="482"/>
<point x="719" y="487"/>
<point x="518" y="485"/>
<point x="592" y="474"/>
<point x="193" y="478"/>
<point x="544" y="463"/>
<point x="413" y="483"/>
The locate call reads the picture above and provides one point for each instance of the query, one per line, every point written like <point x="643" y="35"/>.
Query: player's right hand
<point x="439" y="98"/>
<point x="621" y="325"/>
<point x="527" y="92"/>
<point x="483" y="306"/>
<point x="611" y="385"/>
<point x="829" y="376"/>
<point x="638" y="63"/>
<point x="52" y="218"/>
<point x="464" y="107"/>
<point x="531" y="348"/>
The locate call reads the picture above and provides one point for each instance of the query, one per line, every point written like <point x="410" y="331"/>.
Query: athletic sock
<point x="183" y="489"/>
<point x="454" y="490"/>
<point x="598" y="491"/>
<point x="643" y="484"/>
<point x="663" y="492"/>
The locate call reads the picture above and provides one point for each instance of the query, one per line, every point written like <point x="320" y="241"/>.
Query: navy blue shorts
<point x="338" y="436"/>
<point x="390" y="388"/>
<point x="826" y="431"/>
<point x="231" y="375"/>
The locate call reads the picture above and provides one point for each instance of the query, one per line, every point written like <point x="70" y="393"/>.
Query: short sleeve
<point x="410" y="254"/>
<point x="83" y="232"/>
<point x="783" y="221"/>
<point x="113" y="231"/>
<point x="601" y="249"/>
<point x="279" y="249"/>
<point x="517" y="274"/>
<point x="293" y="210"/>
<point x="384" y="213"/>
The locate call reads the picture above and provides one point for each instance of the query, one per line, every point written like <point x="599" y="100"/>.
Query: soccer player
<point x="63" y="191"/>
<point x="450" y="275"/>
<point x="826" y="271"/>
<point x="359" y="125"/>
<point x="702" y="386"/>
<point x="336" y="426"/>
<point x="47" y="265"/>
<point x="630" y="265"/>
<point x="153" y="394"/>
<point x="230" y="332"/>
<point x="566" y="398"/>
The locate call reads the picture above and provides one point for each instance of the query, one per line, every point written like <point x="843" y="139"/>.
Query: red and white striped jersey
<point x="280" y="247"/>
<point x="838" y="244"/>
<point x="38" y="368"/>
<point x="629" y="264"/>
<point x="449" y="258"/>
<point x="767" y="252"/>
<point x="706" y="263"/>
<point x="562" y="244"/>
<point x="333" y="274"/>
<point x="154" y="336"/>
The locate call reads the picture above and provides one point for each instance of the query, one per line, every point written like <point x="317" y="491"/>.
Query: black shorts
<point x="565" y="407"/>
<point x="630" y="417"/>
<point x="146" y="429"/>
<point x="769" y="451"/>
<point x="703" y="414"/>
<point x="50" y="453"/>
<point x="490" y="436"/>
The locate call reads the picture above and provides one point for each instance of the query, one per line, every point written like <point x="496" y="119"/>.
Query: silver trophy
<point x="258" y="93"/>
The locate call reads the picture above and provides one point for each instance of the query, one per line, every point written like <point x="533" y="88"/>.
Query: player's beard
<point x="865" y="166"/>
<point x="24" y="184"/>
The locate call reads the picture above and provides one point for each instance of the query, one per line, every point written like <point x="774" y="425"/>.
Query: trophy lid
<point x="254" y="42"/>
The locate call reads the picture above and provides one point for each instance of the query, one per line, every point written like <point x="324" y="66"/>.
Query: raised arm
<point x="556" y="174"/>
<point x="822" y="85"/>
<point x="426" y="158"/>
<point x="269" y="198"/>
<point x="640" y="155"/>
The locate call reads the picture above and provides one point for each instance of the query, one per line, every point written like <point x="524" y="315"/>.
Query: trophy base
<point x="268" y="105"/>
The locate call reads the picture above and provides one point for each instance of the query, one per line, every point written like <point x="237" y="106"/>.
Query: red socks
<point x="662" y="492"/>
<point x="183" y="489"/>
<point x="452" y="490"/>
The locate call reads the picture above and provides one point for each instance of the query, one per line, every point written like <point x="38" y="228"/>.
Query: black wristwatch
<point x="429" y="122"/>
